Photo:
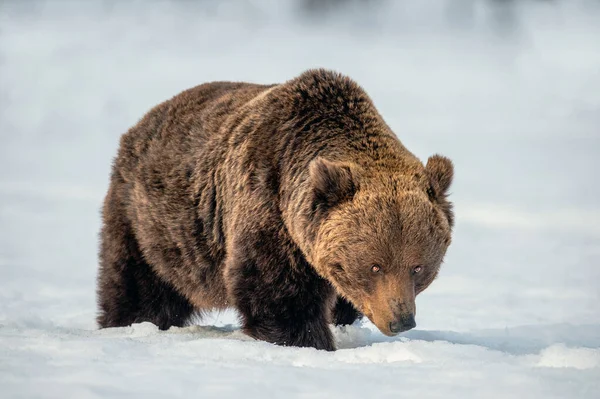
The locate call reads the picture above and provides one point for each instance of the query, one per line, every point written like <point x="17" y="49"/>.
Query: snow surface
<point x="512" y="95"/>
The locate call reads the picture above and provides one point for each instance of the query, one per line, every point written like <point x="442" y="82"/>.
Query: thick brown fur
<point x="276" y="200"/>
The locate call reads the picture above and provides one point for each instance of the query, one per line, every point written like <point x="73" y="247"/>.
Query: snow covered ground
<point x="512" y="95"/>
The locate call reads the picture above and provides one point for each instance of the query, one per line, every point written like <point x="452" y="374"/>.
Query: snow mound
<point x="561" y="356"/>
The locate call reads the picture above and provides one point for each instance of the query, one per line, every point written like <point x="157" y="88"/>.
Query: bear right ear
<point x="332" y="182"/>
<point x="440" y="170"/>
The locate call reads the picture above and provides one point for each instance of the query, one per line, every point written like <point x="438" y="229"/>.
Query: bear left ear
<point x="332" y="182"/>
<point x="441" y="171"/>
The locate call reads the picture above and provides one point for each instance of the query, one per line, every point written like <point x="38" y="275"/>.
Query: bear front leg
<point x="283" y="304"/>
<point x="344" y="313"/>
<point x="284" y="330"/>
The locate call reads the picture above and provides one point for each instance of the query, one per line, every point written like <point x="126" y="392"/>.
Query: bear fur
<point x="293" y="203"/>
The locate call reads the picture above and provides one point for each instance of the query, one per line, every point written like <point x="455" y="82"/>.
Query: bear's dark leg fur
<point x="129" y="291"/>
<point x="344" y="313"/>
<point x="282" y="300"/>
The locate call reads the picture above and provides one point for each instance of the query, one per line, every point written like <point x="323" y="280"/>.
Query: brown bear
<point x="293" y="203"/>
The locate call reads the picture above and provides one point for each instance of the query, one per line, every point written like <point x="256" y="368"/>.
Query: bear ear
<point x="332" y="182"/>
<point x="441" y="171"/>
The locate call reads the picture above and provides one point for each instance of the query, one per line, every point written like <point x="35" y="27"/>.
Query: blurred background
<point x="510" y="90"/>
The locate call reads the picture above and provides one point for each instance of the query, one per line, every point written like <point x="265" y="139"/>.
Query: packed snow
<point x="509" y="90"/>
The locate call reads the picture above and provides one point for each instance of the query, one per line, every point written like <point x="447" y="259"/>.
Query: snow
<point x="512" y="98"/>
<point x="139" y="361"/>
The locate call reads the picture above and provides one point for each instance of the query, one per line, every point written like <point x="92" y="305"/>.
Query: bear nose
<point x="405" y="323"/>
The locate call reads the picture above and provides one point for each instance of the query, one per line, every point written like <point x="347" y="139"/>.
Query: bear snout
<point x="403" y="323"/>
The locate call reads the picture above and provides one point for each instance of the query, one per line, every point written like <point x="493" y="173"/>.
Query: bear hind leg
<point x="129" y="291"/>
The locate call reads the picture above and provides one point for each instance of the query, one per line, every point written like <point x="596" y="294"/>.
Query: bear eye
<point x="417" y="269"/>
<point x="375" y="268"/>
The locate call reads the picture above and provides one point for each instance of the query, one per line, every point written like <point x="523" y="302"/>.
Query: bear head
<point x="381" y="235"/>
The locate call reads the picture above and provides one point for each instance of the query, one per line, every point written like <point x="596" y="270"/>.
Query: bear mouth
<point x="385" y="331"/>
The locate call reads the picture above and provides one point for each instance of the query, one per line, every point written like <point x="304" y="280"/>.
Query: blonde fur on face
<point x="390" y="220"/>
